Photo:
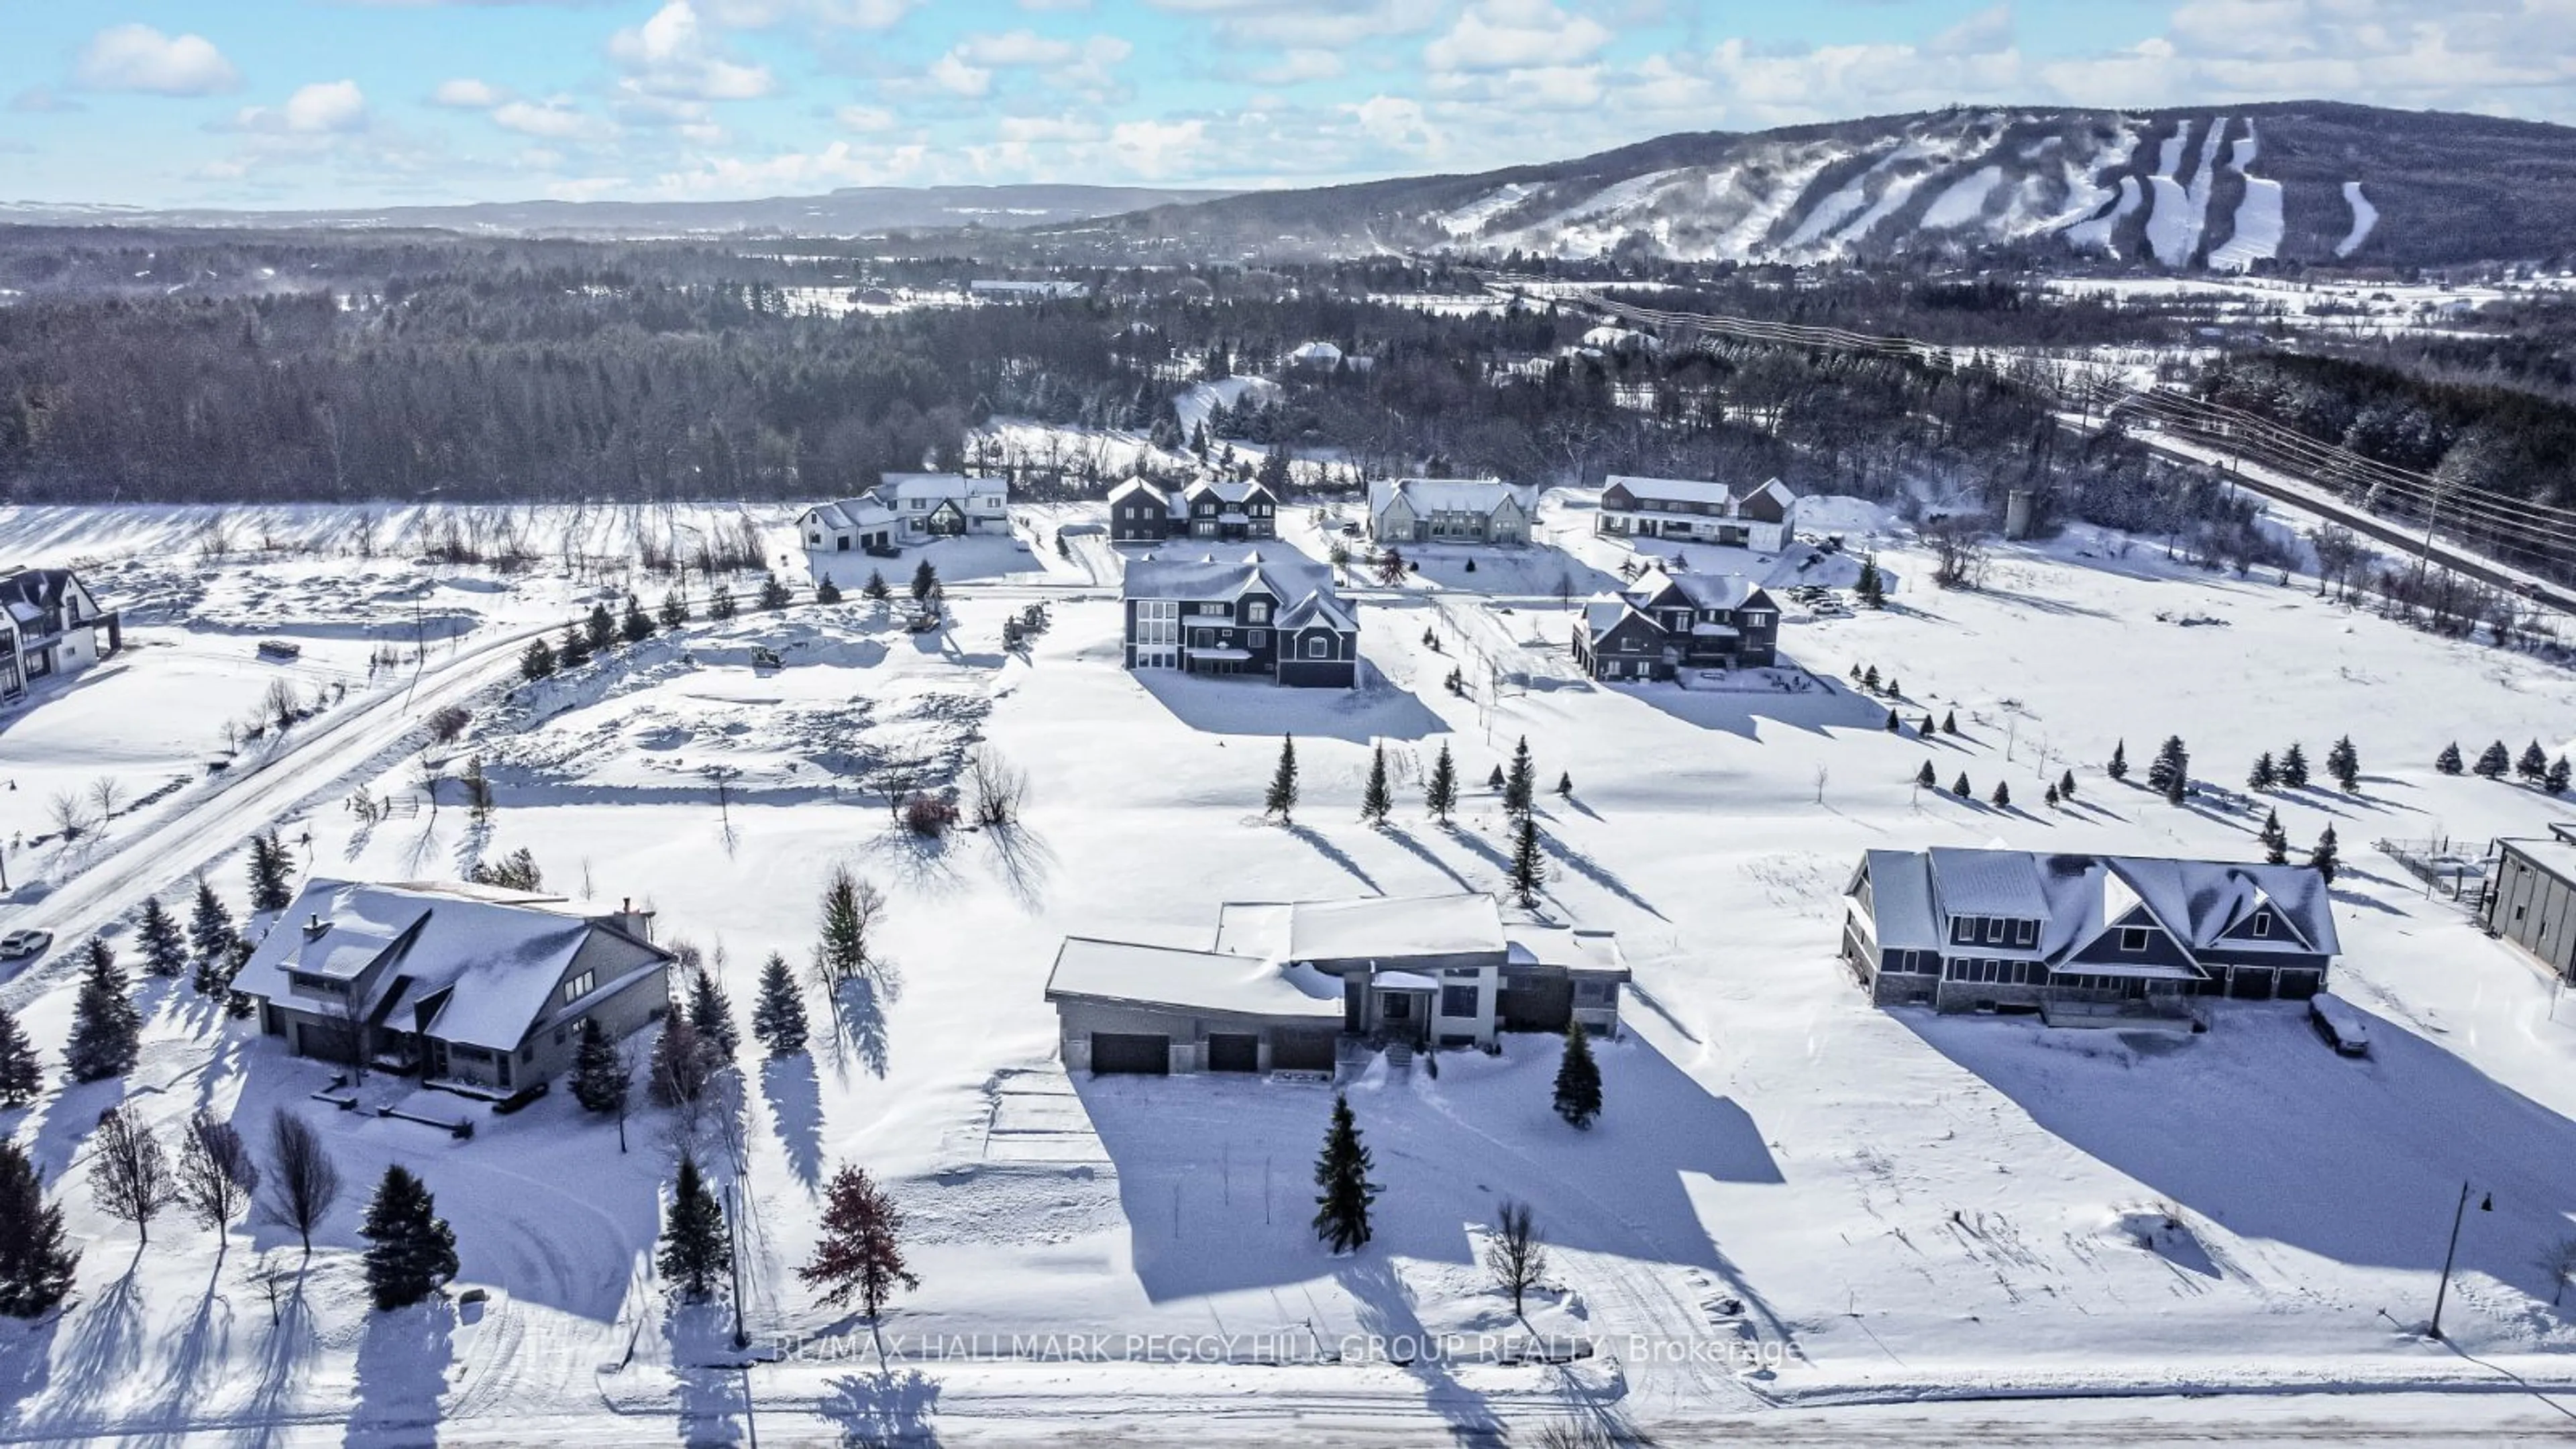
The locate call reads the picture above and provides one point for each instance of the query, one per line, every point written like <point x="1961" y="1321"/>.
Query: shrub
<point x="929" y="816"/>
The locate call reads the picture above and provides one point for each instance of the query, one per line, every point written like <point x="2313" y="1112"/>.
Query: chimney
<point x="315" y="927"/>
<point x="633" y="922"/>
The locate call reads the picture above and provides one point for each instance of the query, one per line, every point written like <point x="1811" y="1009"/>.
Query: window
<point x="2133" y="938"/>
<point x="1594" y="993"/>
<point x="1319" y="646"/>
<point x="1255" y="638"/>
<point x="2262" y="924"/>
<point x="1964" y="929"/>
<point x="579" y="986"/>
<point x="2025" y="933"/>
<point x="1457" y="1001"/>
<point x="1995" y="929"/>
<point x="1256" y="611"/>
<point x="1397" y="1006"/>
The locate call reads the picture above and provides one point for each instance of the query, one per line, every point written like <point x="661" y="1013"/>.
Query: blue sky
<point x="374" y="102"/>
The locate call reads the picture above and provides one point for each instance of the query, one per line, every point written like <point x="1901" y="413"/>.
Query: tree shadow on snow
<point x="2256" y="1126"/>
<point x="401" y="1374"/>
<point x="1421" y="852"/>
<point x="860" y="1004"/>
<point x="1026" y="863"/>
<point x="1215" y="1172"/>
<point x="1386" y="1315"/>
<point x="886" y="1408"/>
<point x="796" y="1106"/>
<point x="1335" y="854"/>
<point x="1245" y="705"/>
<point x="1740" y="711"/>
<point x="712" y="1393"/>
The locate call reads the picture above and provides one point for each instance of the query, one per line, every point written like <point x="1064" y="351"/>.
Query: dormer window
<point x="1256" y="612"/>
<point x="2262" y="925"/>
<point x="1995" y="930"/>
<point x="2133" y="938"/>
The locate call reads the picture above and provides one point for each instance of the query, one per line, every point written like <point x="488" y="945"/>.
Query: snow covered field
<point x="1797" y="1212"/>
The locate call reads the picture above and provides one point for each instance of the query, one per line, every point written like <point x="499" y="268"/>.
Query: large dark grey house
<point x="1665" y="623"/>
<point x="1274" y="615"/>
<point x="1995" y="930"/>
<point x="2530" y="897"/>
<point x="1287" y="983"/>
<point x="470" y="987"/>
<point x="1143" y="512"/>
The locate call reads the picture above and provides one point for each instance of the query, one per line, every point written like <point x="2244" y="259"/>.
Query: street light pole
<point x="2485" y="1205"/>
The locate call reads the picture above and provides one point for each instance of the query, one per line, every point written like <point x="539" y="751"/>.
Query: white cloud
<point x="1299" y="64"/>
<point x="1397" y="122"/>
<point x="955" y="76"/>
<point x="1515" y="34"/>
<point x="325" y="108"/>
<point x="1154" y="150"/>
<point x="554" y="120"/>
<point x="674" y="54"/>
<point x="467" y="95"/>
<point x="828" y="14"/>
<point x="1314" y="24"/>
<point x="1015" y="47"/>
<point x="140" y="58"/>
<point x="867" y="120"/>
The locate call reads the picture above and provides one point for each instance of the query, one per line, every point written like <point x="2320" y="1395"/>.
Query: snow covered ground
<point x="1800" y="1216"/>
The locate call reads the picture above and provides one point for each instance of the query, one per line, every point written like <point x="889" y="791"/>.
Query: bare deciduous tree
<point x="129" y="1173"/>
<point x="1515" y="1254"/>
<point x="998" y="788"/>
<point x="1958" y="551"/>
<point x="106" y="797"/>
<point x="2559" y="1262"/>
<point x="216" y="1174"/>
<point x="279" y="705"/>
<point x="69" y="813"/>
<point x="303" y="1182"/>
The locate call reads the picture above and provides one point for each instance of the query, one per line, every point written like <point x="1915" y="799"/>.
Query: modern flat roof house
<point x="1760" y="516"/>
<point x="1287" y="984"/>
<point x="2002" y="930"/>
<point x="473" y="988"/>
<point x="2530" y="897"/>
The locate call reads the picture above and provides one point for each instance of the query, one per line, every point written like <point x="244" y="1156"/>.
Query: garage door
<point x="1123" y="1052"/>
<point x="1301" y="1051"/>
<point x="1232" y="1052"/>
<point x="2250" y="983"/>
<point x="332" y="1042"/>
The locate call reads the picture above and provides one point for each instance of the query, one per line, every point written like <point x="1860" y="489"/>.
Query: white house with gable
<point x="1450" y="510"/>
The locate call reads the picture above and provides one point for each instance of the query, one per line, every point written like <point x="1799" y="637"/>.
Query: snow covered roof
<point x="927" y="485"/>
<point x="1987" y="883"/>
<point x="1603" y="614"/>
<point x="1320" y="354"/>
<point x="28" y="592"/>
<point x="483" y="962"/>
<point x="1319" y="607"/>
<point x="851" y="513"/>
<point x="1700" y="591"/>
<point x="2553" y="853"/>
<point x="1136" y="486"/>
<point x="1594" y="953"/>
<point x="1694" y="490"/>
<point x="1207" y="577"/>
<point x="1900" y="891"/>
<point x="1228" y="490"/>
<point x="1363" y="928"/>
<point x="2078" y="898"/>
<point x="1217" y="981"/>
<point x="1449" y="495"/>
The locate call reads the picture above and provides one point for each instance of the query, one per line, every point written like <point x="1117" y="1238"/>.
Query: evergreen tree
<point x="599" y="1079"/>
<point x="1872" y="590"/>
<point x="478" y="790"/>
<point x="2448" y="762"/>
<point x="696" y="1250"/>
<point x="1529" y="867"/>
<point x="2066" y="786"/>
<point x="1521" y="784"/>
<point x="1565" y="784"/>
<point x="165" y="951"/>
<point x="2170" y="774"/>
<point x="21" y="1077"/>
<point x="411" y="1251"/>
<point x="537" y="660"/>
<point x="1961" y="788"/>
<point x="773" y="593"/>
<point x="1342" y="1208"/>
<point x="106" y="1029"/>
<point x="635" y="626"/>
<point x="272" y="867"/>
<point x="1578" y="1078"/>
<point x="711" y="1012"/>
<point x="2534" y="764"/>
<point x="827" y="592"/>
<point x="2494" y="762"/>
<point x="2118" y="769"/>
<point x="1929" y="727"/>
<point x="876" y="590"/>
<point x="1950" y="722"/>
<point x="721" y="606"/>
<point x="1442" y="795"/>
<point x="573" y="650"/>
<point x="1494" y="781"/>
<point x="778" y="1018"/>
<point x="2002" y="798"/>
<point x="1376" y="800"/>
<point x="674" y="611"/>
<point x="1925" y="778"/>
<point x="210" y="935"/>
<point x="2264" y="775"/>
<point x="2556" y="781"/>
<point x="2276" y="841"/>
<point x="680" y="1062"/>
<point x="2323" y="860"/>
<point x="1869" y="679"/>
<point x="925" y="582"/>
<point x="36" y="1259"/>
<point x="1282" y="797"/>
<point x="2343" y="766"/>
<point x="1894" y="689"/>
<point x="1894" y="725"/>
<point x="600" y="629"/>
<point x="2050" y="799"/>
<point x="861" y="1251"/>
<point x="2294" y="767"/>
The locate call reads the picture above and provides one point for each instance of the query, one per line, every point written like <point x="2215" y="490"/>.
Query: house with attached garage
<point x="51" y="626"/>
<point x="1664" y="624"/>
<point x="472" y="988"/>
<point x="1225" y="509"/>
<point x="1289" y="985"/>
<point x="1762" y="517"/>
<point x="1450" y="510"/>
<point x="906" y="509"/>
<point x="2011" y="930"/>
<point x="1272" y="614"/>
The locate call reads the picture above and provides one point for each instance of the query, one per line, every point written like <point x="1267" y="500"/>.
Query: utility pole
<point x="733" y="1235"/>
<point x="2485" y="1205"/>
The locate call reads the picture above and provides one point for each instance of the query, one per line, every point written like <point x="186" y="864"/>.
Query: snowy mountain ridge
<point x="2223" y="189"/>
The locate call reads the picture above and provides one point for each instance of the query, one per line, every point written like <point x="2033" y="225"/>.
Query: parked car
<point x="280" y="649"/>
<point x="2339" y="1024"/>
<point x="19" y="945"/>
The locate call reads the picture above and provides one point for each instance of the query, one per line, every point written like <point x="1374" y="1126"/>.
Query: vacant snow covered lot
<point x="1792" y="1199"/>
